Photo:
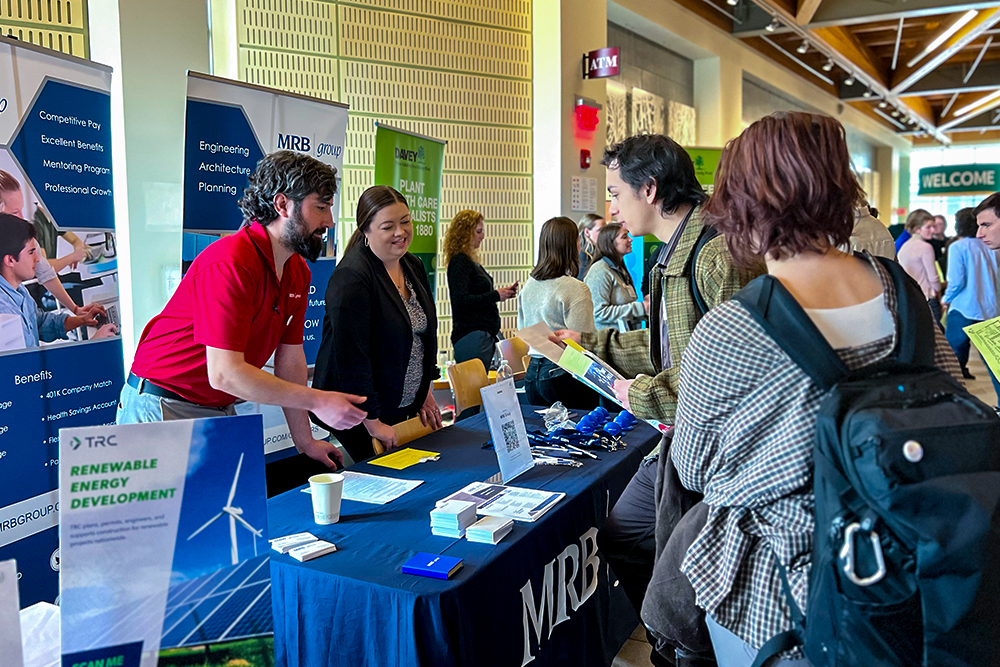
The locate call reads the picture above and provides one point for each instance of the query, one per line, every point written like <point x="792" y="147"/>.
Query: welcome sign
<point x="960" y="179"/>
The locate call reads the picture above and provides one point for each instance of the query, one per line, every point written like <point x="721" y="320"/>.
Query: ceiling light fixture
<point x="732" y="3"/>
<point x="895" y="113"/>
<point x="803" y="47"/>
<point x="969" y="107"/>
<point x="868" y="93"/>
<point x="883" y="104"/>
<point x="940" y="39"/>
<point x="773" y="25"/>
<point x="849" y="81"/>
<point x="828" y="65"/>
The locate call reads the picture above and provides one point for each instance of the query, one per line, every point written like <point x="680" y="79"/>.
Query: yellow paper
<point x="404" y="458"/>
<point x="986" y="337"/>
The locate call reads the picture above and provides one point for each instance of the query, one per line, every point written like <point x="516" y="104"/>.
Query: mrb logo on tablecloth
<point x="557" y="588"/>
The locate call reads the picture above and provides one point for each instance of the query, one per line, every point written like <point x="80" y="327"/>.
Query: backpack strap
<point x="914" y="321"/>
<point x="707" y="233"/>
<point x="783" y="641"/>
<point x="781" y="316"/>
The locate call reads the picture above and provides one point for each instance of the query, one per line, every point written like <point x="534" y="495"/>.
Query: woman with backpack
<point x="616" y="305"/>
<point x="746" y="416"/>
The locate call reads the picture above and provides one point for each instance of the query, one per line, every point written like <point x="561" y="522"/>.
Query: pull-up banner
<point x="58" y="367"/>
<point x="413" y="164"/>
<point x="230" y="126"/>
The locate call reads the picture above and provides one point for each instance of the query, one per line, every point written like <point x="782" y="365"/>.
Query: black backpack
<point x="906" y="553"/>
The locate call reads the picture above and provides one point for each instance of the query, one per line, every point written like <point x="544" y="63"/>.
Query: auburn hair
<point x="784" y="187"/>
<point x="458" y="238"/>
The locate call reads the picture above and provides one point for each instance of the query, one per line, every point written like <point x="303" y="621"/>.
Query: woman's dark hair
<point x="965" y="223"/>
<point x="295" y="174"/>
<point x="606" y="248"/>
<point x="371" y="201"/>
<point x="784" y="187"/>
<point x="917" y="219"/>
<point x="557" y="250"/>
<point x="655" y="159"/>
<point x="14" y="235"/>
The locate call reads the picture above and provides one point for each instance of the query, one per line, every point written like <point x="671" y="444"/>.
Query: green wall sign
<point x="960" y="179"/>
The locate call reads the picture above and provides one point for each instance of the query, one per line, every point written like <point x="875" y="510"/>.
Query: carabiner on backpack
<point x="847" y="555"/>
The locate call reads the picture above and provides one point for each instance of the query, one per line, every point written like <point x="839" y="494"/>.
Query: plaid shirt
<point x="636" y="354"/>
<point x="745" y="430"/>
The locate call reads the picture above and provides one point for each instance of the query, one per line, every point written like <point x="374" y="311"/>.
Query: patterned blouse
<point x="415" y="369"/>
<point x="746" y="423"/>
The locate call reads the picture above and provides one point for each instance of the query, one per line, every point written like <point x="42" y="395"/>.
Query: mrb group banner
<point x="413" y="164"/>
<point x="60" y="357"/>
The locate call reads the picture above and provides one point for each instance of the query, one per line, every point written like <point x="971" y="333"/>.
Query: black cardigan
<point x="473" y="299"/>
<point x="367" y="335"/>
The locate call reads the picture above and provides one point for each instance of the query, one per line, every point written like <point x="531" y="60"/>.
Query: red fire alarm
<point x="584" y="159"/>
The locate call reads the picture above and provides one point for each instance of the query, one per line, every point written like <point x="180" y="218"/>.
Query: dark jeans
<point x="935" y="305"/>
<point x="960" y="342"/>
<point x="545" y="383"/>
<point x="476" y="345"/>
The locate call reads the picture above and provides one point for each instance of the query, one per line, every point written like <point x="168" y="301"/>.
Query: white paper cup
<point x="326" y="492"/>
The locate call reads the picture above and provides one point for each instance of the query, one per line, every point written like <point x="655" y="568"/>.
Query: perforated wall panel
<point x="54" y="24"/>
<point x="458" y="70"/>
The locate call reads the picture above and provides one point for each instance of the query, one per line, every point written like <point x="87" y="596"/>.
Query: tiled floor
<point x="635" y="653"/>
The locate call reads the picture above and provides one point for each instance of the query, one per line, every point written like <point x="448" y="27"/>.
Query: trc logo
<point x="93" y="441"/>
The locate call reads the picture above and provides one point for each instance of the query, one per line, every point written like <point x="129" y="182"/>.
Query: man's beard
<point x="297" y="237"/>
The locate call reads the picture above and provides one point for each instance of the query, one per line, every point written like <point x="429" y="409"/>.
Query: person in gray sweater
<point x="616" y="305"/>
<point x="553" y="295"/>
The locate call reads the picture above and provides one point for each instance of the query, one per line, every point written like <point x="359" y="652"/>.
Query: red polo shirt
<point x="230" y="298"/>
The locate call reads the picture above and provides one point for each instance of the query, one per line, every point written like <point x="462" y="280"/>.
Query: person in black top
<point x="475" y="326"/>
<point x="380" y="330"/>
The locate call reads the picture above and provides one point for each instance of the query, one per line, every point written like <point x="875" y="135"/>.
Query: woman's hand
<point x="507" y="292"/>
<point x="430" y="413"/>
<point x="382" y="433"/>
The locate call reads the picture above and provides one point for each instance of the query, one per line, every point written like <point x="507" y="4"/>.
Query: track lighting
<point x="828" y="66"/>
<point x="867" y="93"/>
<point x="803" y="47"/>
<point x="773" y="25"/>
<point x="849" y="81"/>
<point x="883" y="104"/>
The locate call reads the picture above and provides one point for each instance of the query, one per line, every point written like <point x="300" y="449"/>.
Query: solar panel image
<point x="233" y="603"/>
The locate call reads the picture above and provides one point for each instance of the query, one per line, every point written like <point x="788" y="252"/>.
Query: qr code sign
<point x="510" y="436"/>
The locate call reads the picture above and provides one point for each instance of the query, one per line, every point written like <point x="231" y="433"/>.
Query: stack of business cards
<point x="489" y="530"/>
<point x="285" y="544"/>
<point x="450" y="519"/>
<point x="312" y="550"/>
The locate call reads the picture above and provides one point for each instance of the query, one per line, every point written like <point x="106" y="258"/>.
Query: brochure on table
<point x="510" y="438"/>
<point x="373" y="489"/>
<point x="55" y="133"/>
<point x="506" y="501"/>
<point x="180" y="507"/>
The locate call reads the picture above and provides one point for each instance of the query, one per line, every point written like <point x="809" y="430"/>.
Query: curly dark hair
<point x="659" y="160"/>
<point x="295" y="174"/>
<point x="458" y="239"/>
<point x="785" y="187"/>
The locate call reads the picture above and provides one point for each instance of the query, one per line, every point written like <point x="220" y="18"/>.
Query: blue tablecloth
<point x="506" y="605"/>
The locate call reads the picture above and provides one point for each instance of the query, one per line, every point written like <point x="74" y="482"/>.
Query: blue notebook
<point x="432" y="565"/>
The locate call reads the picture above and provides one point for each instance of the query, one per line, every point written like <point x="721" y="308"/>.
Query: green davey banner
<point x="60" y="355"/>
<point x="706" y="161"/>
<point x="413" y="164"/>
<point x="959" y="179"/>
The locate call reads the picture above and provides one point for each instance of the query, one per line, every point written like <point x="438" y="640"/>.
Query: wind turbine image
<point x="234" y="516"/>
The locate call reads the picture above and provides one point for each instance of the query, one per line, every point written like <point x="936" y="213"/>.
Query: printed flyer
<point x="413" y="164"/>
<point x="62" y="366"/>
<point x="180" y="507"/>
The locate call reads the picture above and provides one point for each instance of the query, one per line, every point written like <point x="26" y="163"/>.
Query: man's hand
<point x="107" y="331"/>
<point x="621" y="392"/>
<point x="324" y="452"/>
<point x="77" y="321"/>
<point x="93" y="309"/>
<point x="339" y="410"/>
<point x="382" y="433"/>
<point x="430" y="413"/>
<point x="560" y="335"/>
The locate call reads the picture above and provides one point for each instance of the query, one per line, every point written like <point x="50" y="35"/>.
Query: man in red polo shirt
<point x="244" y="299"/>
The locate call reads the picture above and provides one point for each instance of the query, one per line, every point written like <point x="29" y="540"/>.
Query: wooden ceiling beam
<point x="806" y="10"/>
<point x="854" y="12"/>
<point x="843" y="42"/>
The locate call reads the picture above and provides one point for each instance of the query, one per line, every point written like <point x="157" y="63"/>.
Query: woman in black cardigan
<point x="475" y="318"/>
<point x="380" y="330"/>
